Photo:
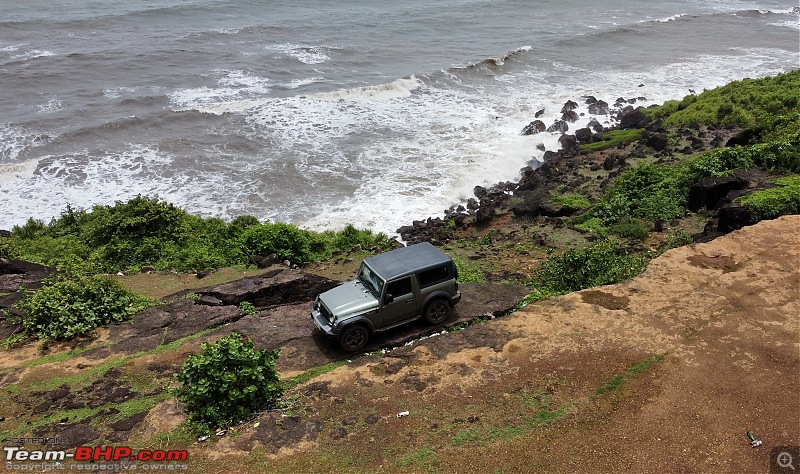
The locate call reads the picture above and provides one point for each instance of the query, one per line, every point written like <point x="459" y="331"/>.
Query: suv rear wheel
<point x="354" y="338"/>
<point x="437" y="311"/>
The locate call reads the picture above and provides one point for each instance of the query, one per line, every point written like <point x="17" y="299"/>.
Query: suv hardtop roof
<point x="406" y="260"/>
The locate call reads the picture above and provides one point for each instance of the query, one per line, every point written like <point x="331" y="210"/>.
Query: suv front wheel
<point x="437" y="311"/>
<point x="354" y="338"/>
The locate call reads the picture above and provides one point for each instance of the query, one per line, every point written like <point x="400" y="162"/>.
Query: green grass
<point x="613" y="138"/>
<point x="423" y="456"/>
<point x="741" y="103"/>
<point x="312" y="373"/>
<point x="771" y="203"/>
<point x="639" y="368"/>
<point x="570" y="200"/>
<point x="468" y="272"/>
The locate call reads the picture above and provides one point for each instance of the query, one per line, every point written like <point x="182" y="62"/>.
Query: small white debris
<point x="402" y="414"/>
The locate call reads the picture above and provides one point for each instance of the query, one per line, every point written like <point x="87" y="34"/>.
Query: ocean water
<point x="326" y="113"/>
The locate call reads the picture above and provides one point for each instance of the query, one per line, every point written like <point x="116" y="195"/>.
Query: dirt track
<point x="664" y="373"/>
<point x="578" y="383"/>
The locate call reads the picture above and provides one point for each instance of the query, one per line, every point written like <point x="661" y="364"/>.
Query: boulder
<point x="732" y="217"/>
<point x="569" y="116"/>
<point x="558" y="126"/>
<point x="708" y="192"/>
<point x="537" y="126"/>
<point x="280" y="286"/>
<point x="583" y="135"/>
<point x="632" y="118"/>
<point x="599" y="107"/>
<point x="539" y="113"/>
<point x="568" y="143"/>
<point x="569" y="106"/>
<point x="594" y="125"/>
<point x="15" y="274"/>
<point x="656" y="141"/>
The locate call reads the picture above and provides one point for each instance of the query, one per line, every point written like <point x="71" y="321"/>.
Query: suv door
<point x="403" y="304"/>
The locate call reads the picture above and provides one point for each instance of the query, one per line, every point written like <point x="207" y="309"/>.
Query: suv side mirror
<point x="388" y="298"/>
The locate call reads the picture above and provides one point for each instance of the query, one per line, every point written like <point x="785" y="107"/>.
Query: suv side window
<point x="399" y="287"/>
<point x="434" y="275"/>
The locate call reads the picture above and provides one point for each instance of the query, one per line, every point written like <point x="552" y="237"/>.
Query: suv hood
<point x="348" y="298"/>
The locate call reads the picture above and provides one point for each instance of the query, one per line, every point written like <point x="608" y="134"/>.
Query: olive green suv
<point x="391" y="289"/>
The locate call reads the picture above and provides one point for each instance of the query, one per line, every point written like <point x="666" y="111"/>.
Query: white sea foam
<point x="32" y="54"/>
<point x="298" y="83"/>
<point x="52" y="105"/>
<point x="671" y="18"/>
<point x="44" y="186"/>
<point x="15" y="139"/>
<point x="305" y="53"/>
<point x="118" y="92"/>
<point x="237" y="91"/>
<point x="392" y="90"/>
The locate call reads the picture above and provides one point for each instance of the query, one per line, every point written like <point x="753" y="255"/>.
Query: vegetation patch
<point x="228" y="381"/>
<point x="149" y="232"/>
<point x="425" y="457"/>
<point x="614" y="383"/>
<point x="774" y="202"/>
<point x="742" y="103"/>
<point x="65" y="309"/>
<point x="602" y="263"/>
<point x="613" y="138"/>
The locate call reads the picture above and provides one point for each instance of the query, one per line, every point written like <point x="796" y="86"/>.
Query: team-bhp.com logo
<point x="87" y="453"/>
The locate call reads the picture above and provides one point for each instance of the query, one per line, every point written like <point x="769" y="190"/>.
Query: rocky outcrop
<point x="15" y="274"/>
<point x="276" y="287"/>
<point x="632" y="118"/>
<point x="708" y="192"/>
<point x="537" y="126"/>
<point x="558" y="126"/>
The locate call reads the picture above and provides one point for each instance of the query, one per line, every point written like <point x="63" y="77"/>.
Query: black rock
<point x="558" y="126"/>
<point x="534" y="127"/>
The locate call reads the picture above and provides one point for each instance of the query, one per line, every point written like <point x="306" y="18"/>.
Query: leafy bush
<point x="149" y="232"/>
<point x="248" y="307"/>
<point x="677" y="238"/>
<point x="287" y="241"/>
<point x="228" y="381"/>
<point x="631" y="228"/>
<point x="68" y="308"/>
<point x="774" y="202"/>
<point x="602" y="263"/>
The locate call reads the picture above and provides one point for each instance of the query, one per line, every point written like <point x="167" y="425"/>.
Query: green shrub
<point x="631" y="228"/>
<point x="592" y="225"/>
<point x="68" y="308"/>
<point x="774" y="202"/>
<point x="248" y="307"/>
<point x="613" y="138"/>
<point x="678" y="238"/>
<point x="228" y="381"/>
<point x="602" y="263"/>
<point x="571" y="200"/>
<point x="743" y="103"/>
<point x="287" y="241"/>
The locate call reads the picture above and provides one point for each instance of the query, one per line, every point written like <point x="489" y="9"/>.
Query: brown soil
<point x="664" y="373"/>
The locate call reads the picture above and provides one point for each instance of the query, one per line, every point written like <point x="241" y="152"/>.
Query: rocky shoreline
<point x="570" y="170"/>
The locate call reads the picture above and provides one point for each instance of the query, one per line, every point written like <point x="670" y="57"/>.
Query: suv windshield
<point x="370" y="280"/>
